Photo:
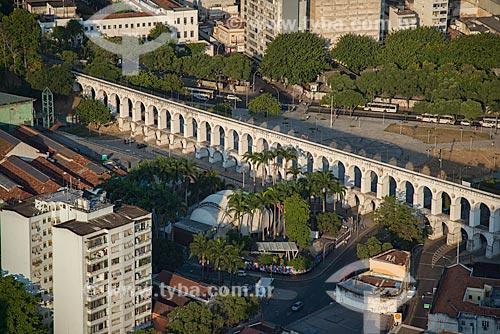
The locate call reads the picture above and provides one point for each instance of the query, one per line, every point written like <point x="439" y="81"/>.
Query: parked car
<point x="141" y="145"/>
<point x="129" y="141"/>
<point x="242" y="273"/>
<point x="232" y="97"/>
<point x="465" y="122"/>
<point x="297" y="306"/>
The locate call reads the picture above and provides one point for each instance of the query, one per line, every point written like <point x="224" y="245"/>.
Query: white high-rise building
<point x="432" y="13"/>
<point x="90" y="260"/>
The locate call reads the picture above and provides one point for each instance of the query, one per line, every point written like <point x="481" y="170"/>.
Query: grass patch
<point x="430" y="134"/>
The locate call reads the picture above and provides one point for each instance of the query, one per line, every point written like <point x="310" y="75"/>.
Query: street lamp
<point x="218" y="46"/>
<point x="253" y="81"/>
<point x="277" y="91"/>
<point x="331" y="111"/>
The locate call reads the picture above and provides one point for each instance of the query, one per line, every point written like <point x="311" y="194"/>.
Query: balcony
<point x="143" y="262"/>
<point x="96" y="256"/>
<point x="96" y="243"/>
<point x="36" y="262"/>
<point x="142" y="227"/>
<point x="96" y="269"/>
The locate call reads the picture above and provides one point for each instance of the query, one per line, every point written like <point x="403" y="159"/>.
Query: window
<point x="103" y="27"/>
<point x="114" y="26"/>
<point x="143" y="24"/>
<point x="178" y="20"/>
<point x="185" y="20"/>
<point x="178" y="34"/>
<point x="126" y="25"/>
<point x="131" y="25"/>
<point x="119" y="26"/>
<point x="149" y="24"/>
<point x="478" y="297"/>
<point x="116" y="260"/>
<point x="109" y="26"/>
<point x="97" y="27"/>
<point x="192" y="19"/>
<point x="470" y="297"/>
<point x="486" y="324"/>
<point x="192" y="33"/>
<point x="92" y="28"/>
<point x="86" y="28"/>
<point x="185" y="34"/>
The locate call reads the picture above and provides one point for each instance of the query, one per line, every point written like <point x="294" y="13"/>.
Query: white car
<point x="242" y="273"/>
<point x="465" y="122"/>
<point x="233" y="97"/>
<point x="200" y="97"/>
<point x="297" y="306"/>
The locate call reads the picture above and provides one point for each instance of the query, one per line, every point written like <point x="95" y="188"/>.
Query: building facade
<point x="265" y="20"/>
<point x="15" y="110"/>
<point x="332" y="19"/>
<point x="432" y="13"/>
<point x="402" y="19"/>
<point x="465" y="304"/>
<point x="90" y="261"/>
<point x="230" y="33"/>
<point x="182" y="21"/>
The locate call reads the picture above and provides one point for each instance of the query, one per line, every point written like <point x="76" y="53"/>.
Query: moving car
<point x="141" y="145"/>
<point x="129" y="141"/>
<point x="242" y="273"/>
<point x="232" y="97"/>
<point x="297" y="306"/>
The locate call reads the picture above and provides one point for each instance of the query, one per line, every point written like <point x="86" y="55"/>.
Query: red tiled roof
<point x="167" y="4"/>
<point x="27" y="176"/>
<point x="451" y="292"/>
<point x="182" y="284"/>
<point x="59" y="174"/>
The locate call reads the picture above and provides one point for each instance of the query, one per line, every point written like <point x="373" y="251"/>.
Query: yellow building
<point x="230" y="33"/>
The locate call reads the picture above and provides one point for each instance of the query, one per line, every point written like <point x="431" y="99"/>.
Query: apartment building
<point x="230" y="33"/>
<point x="264" y="20"/>
<point x="90" y="260"/>
<point x="464" y="303"/>
<point x="334" y="18"/>
<point x="401" y="19"/>
<point x="432" y="13"/>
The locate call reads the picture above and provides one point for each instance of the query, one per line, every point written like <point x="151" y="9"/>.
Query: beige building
<point x="402" y="19"/>
<point x="265" y="20"/>
<point x="334" y="18"/>
<point x="230" y="33"/>
<point x="89" y="261"/>
<point x="61" y="9"/>
<point x="182" y="21"/>
<point x="432" y="13"/>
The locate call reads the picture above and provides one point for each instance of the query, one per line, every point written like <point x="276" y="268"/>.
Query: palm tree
<point x="268" y="156"/>
<point x="272" y="198"/>
<point x="217" y="254"/>
<point x="261" y="202"/>
<point x="237" y="206"/>
<point x="251" y="204"/>
<point x="294" y="171"/>
<point x="288" y="154"/>
<point x="251" y="158"/>
<point x="231" y="260"/>
<point x="201" y="247"/>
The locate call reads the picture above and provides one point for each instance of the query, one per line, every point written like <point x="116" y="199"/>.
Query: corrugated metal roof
<point x="24" y="166"/>
<point x="10" y="99"/>
<point x="271" y="247"/>
<point x="5" y="136"/>
<point x="7" y="183"/>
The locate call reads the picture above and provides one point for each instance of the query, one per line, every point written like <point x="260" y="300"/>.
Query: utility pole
<point x="331" y="111"/>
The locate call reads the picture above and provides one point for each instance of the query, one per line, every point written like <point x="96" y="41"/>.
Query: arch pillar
<point x="349" y="177"/>
<point x="228" y="141"/>
<point x="418" y="198"/>
<point x="495" y="249"/>
<point x="489" y="251"/>
<point x="317" y="165"/>
<point x="188" y="128"/>
<point x="202" y="133"/>
<point x="124" y="112"/>
<point x="366" y="182"/>
<point x="437" y="204"/>
<point x="176" y="124"/>
<point x="383" y="187"/>
<point x="455" y="210"/>
<point x="162" y="120"/>
<point x="494" y="221"/>
<point x="242" y="145"/>
<point x="136" y="113"/>
<point x="474" y="216"/>
<point x="474" y="243"/>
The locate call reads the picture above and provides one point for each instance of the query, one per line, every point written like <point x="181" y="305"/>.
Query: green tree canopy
<point x="297" y="58"/>
<point x="234" y="309"/>
<point x="265" y="103"/>
<point x="328" y="222"/>
<point x="93" y="112"/>
<point x="300" y="262"/>
<point x="356" y="52"/>
<point x="194" y="317"/>
<point x="340" y="81"/>
<point x="167" y="255"/>
<point x="471" y="109"/>
<point x="297" y="220"/>
<point x="58" y="78"/>
<point x="372" y="247"/>
<point x="400" y="220"/>
<point x="18" y="309"/>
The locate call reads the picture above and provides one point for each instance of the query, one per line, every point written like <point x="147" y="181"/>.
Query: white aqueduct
<point x="473" y="215"/>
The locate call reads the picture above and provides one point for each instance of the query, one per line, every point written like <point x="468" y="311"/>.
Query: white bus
<point x="429" y="118"/>
<point x="381" y="106"/>
<point x="199" y="92"/>
<point x="446" y="119"/>
<point x="489" y="123"/>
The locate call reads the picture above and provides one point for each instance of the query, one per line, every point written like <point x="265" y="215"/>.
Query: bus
<point x="198" y="92"/>
<point x="381" y="106"/>
<point x="489" y="123"/>
<point x="428" y="118"/>
<point x="446" y="119"/>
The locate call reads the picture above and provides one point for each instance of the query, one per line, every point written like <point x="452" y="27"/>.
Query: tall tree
<point x="265" y="103"/>
<point x="18" y="309"/>
<point x="201" y="247"/>
<point x="235" y="309"/>
<point x="356" y="52"/>
<point x="296" y="58"/>
<point x="93" y="112"/>
<point x="296" y="217"/>
<point x="194" y="317"/>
